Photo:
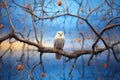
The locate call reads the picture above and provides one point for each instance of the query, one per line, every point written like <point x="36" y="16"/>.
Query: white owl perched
<point x="59" y="42"/>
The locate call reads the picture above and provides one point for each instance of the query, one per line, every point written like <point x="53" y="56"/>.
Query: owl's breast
<point x="59" y="43"/>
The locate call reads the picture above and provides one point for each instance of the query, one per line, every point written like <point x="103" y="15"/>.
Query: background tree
<point x="91" y="28"/>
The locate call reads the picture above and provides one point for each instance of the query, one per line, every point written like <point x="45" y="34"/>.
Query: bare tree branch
<point x="9" y="18"/>
<point x="95" y="9"/>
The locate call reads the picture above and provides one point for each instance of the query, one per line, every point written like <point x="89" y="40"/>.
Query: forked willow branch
<point x="9" y="18"/>
<point x="34" y="27"/>
<point x="83" y="40"/>
<point x="94" y="9"/>
<point x="23" y="53"/>
<point x="108" y="23"/>
<point x="30" y="74"/>
<point x="73" y="66"/>
<point x="98" y="36"/>
<point x="104" y="29"/>
<point x="4" y="53"/>
<point x="96" y="33"/>
<point x="41" y="62"/>
<point x="34" y="66"/>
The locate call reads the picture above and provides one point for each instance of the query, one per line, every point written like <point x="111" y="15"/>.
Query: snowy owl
<point x="59" y="42"/>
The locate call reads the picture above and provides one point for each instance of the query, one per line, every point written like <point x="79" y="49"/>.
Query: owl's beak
<point x="60" y="34"/>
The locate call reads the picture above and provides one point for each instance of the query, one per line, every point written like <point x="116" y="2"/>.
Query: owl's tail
<point x="58" y="57"/>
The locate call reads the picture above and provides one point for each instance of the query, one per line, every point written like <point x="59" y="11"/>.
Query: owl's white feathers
<point x="59" y="42"/>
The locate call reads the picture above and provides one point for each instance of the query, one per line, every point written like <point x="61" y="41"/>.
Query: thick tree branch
<point x="9" y="35"/>
<point x="25" y="41"/>
<point x="70" y="55"/>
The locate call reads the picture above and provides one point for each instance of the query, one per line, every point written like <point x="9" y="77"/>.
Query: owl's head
<point x="60" y="34"/>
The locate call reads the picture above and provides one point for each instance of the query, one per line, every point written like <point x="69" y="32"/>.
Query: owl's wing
<point x="55" y="43"/>
<point x="63" y="42"/>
